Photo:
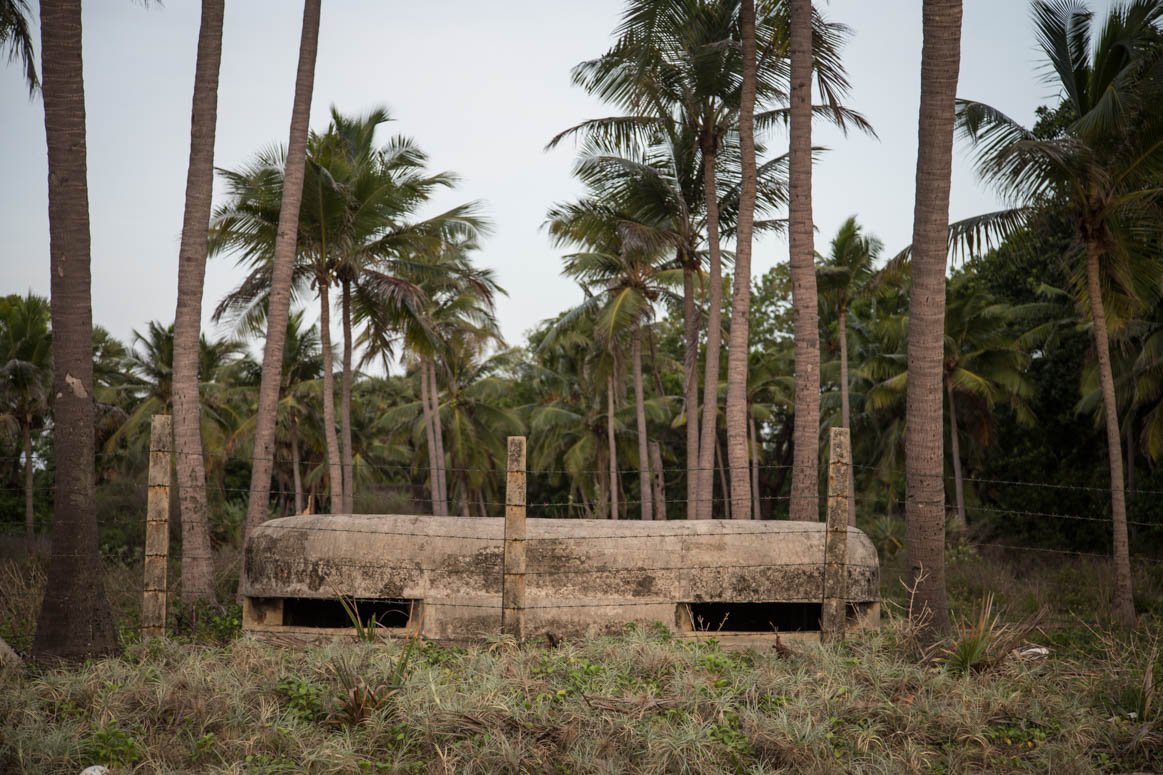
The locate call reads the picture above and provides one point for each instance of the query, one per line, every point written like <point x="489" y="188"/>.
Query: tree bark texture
<point x="296" y="465"/>
<point x="721" y="462"/>
<point x="438" y="431"/>
<point x="29" y="511"/>
<point x="334" y="467"/>
<point x="286" y="240"/>
<point x="430" y="437"/>
<point x="709" y="433"/>
<point x="1123" y="605"/>
<point x="613" y="447"/>
<point x="755" y="503"/>
<point x="644" y="486"/>
<point x="955" y="451"/>
<point x="345" y="405"/>
<point x="805" y="485"/>
<point x="658" y="481"/>
<point x="75" y="621"/>
<point x="691" y="390"/>
<point x="736" y="419"/>
<point x="197" y="561"/>
<point x="924" y="456"/>
<point x="845" y="408"/>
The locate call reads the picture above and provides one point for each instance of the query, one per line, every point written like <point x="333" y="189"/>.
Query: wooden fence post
<point x="836" y="541"/>
<point x="157" y="526"/>
<point x="513" y="581"/>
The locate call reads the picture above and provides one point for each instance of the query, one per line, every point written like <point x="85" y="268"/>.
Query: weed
<point x="304" y="698"/>
<point x="111" y="746"/>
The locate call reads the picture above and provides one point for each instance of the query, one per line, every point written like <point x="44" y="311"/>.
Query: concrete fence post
<point x="836" y="541"/>
<point x="157" y="526"/>
<point x="513" y="581"/>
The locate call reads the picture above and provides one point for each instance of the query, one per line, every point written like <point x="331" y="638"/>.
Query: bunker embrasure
<point x="739" y="581"/>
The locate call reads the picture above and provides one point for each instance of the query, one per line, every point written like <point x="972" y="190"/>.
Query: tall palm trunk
<point x="736" y="420"/>
<point x="1123" y="604"/>
<point x="197" y="562"/>
<point x="709" y="432"/>
<point x="430" y="436"/>
<point x="345" y="404"/>
<point x="613" y="447"/>
<point x="924" y="457"/>
<point x="29" y="512"/>
<point x="645" y="492"/>
<point x="279" y="303"/>
<point x="691" y="390"/>
<point x="955" y="451"/>
<point x="845" y="407"/>
<point x="296" y="466"/>
<point x="334" y="468"/>
<point x="75" y="620"/>
<point x="438" y="430"/>
<point x="806" y="438"/>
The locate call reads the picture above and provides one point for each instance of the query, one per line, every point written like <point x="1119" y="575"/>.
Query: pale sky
<point x="481" y="87"/>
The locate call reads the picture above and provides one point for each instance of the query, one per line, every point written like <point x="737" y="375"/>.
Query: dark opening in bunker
<point x="749" y="617"/>
<point x="331" y="612"/>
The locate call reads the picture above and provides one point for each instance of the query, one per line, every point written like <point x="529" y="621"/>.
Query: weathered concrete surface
<point x="583" y="577"/>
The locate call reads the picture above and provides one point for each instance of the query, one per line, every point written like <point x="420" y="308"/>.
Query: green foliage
<point x="111" y="746"/>
<point x="304" y="699"/>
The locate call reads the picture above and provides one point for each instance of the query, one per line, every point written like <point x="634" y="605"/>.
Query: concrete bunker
<point x="739" y="581"/>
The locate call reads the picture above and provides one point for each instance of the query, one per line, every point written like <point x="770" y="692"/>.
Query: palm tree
<point x="737" y="419"/>
<point x="282" y="269"/>
<point x="1103" y="169"/>
<point x="197" y="563"/>
<point x="623" y="283"/>
<point x="845" y="275"/>
<point x="805" y="478"/>
<point x="675" y="68"/>
<point x="75" y="620"/>
<point x="15" y="37"/>
<point x="924" y="459"/>
<point x="25" y="377"/>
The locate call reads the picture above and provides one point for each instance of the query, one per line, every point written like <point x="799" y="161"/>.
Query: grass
<point x="210" y="700"/>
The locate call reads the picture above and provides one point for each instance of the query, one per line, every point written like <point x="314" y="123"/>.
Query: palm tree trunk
<point x="1123" y="604"/>
<point x="197" y="561"/>
<point x="430" y="434"/>
<point x="75" y="621"/>
<point x="845" y="408"/>
<point x="658" y="481"/>
<point x="806" y="439"/>
<point x="644" y="486"/>
<point x="29" y="512"/>
<point x="464" y="501"/>
<point x="691" y="390"/>
<point x="279" y="302"/>
<point x="709" y="430"/>
<point x="721" y="462"/>
<point x="955" y="450"/>
<point x="924" y="456"/>
<point x="755" y="503"/>
<point x="736" y="420"/>
<point x="334" y="468"/>
<point x="345" y="405"/>
<point x="613" y="462"/>
<point x="438" y="430"/>
<point x="296" y="473"/>
<point x="1130" y="458"/>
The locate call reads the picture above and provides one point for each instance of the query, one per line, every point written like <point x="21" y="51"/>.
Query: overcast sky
<point x="480" y="86"/>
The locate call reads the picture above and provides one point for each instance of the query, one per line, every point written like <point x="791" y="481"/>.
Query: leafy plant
<point x="111" y="746"/>
<point x="304" y="698"/>
<point x="985" y="641"/>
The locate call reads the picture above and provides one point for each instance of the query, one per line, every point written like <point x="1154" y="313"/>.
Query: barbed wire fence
<point x="833" y="570"/>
